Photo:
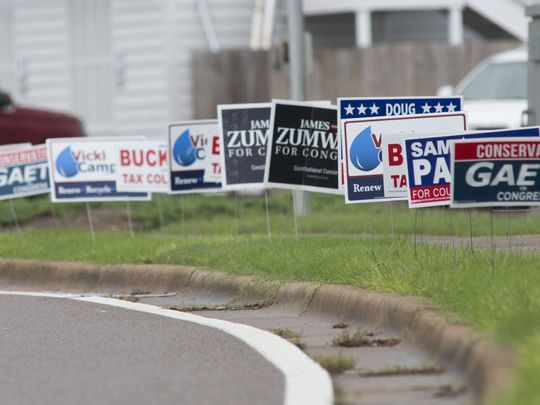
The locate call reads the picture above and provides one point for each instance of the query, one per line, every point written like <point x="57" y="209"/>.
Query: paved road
<point x="63" y="351"/>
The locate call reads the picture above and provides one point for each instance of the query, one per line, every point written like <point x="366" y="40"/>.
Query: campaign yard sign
<point x="362" y="141"/>
<point x="243" y="131"/>
<point x="495" y="172"/>
<point x="194" y="157"/>
<point x="393" y="158"/>
<point x="143" y="166"/>
<point x="23" y="171"/>
<point x="86" y="169"/>
<point x="366" y="107"/>
<point x="303" y="147"/>
<point x="428" y="164"/>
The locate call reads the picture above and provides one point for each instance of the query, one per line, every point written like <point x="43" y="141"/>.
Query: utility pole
<point x="297" y="65"/>
<point x="533" y="75"/>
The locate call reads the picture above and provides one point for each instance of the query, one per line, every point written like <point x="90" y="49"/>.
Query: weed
<point x="335" y="364"/>
<point x="402" y="370"/>
<point x="291" y="336"/>
<point x="357" y="339"/>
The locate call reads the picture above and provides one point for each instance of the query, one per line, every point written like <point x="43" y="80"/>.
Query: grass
<point x="335" y="364"/>
<point x="291" y="336"/>
<point x="499" y="294"/>
<point x="357" y="339"/>
<point x="401" y="370"/>
<point x="218" y="214"/>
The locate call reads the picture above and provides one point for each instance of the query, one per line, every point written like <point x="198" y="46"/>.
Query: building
<point x="124" y="65"/>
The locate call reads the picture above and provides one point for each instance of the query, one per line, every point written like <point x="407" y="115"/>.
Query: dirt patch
<point x="103" y="219"/>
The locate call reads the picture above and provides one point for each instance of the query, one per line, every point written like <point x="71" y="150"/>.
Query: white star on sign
<point x="438" y="108"/>
<point x="426" y="108"/>
<point x="361" y="109"/>
<point x="374" y="109"/>
<point x="349" y="109"/>
<point x="451" y="107"/>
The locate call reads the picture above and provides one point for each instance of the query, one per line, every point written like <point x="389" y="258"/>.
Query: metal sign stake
<point x="90" y="223"/>
<point x="471" y="230"/>
<point x="415" y="229"/>
<point x="160" y="211"/>
<point x="236" y="208"/>
<point x="392" y="221"/>
<point x="294" y="214"/>
<point x="14" y="216"/>
<point x="130" y="221"/>
<point x="268" y="229"/>
<point x="508" y="229"/>
<point x="492" y="244"/>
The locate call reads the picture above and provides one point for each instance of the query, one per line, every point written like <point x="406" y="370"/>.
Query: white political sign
<point x="393" y="153"/>
<point x="195" y="157"/>
<point x="86" y="169"/>
<point x="143" y="166"/>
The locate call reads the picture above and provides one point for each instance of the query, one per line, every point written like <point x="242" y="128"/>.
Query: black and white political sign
<point x="303" y="147"/>
<point x="243" y="129"/>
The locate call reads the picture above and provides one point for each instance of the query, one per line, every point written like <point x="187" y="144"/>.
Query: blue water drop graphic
<point x="364" y="154"/>
<point x="183" y="150"/>
<point x="66" y="163"/>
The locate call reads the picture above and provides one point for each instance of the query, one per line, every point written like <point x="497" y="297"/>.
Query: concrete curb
<point x="486" y="364"/>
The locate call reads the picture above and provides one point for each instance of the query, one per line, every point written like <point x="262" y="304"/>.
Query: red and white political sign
<point x="143" y="166"/>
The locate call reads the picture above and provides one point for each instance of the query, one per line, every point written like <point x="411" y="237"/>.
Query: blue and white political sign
<point x="195" y="157"/>
<point x="86" y="169"/>
<point x="23" y="171"/>
<point x="376" y="107"/>
<point x="428" y="164"/>
<point x="495" y="172"/>
<point x="362" y="141"/>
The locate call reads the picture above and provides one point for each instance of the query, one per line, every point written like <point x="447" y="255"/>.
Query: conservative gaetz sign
<point x="194" y="157"/>
<point x="303" y="147"/>
<point x="495" y="172"/>
<point x="243" y="130"/>
<point x="428" y="164"/>
<point x="23" y="171"/>
<point x="86" y="169"/>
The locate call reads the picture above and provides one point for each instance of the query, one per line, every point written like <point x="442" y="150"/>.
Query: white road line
<point x="305" y="381"/>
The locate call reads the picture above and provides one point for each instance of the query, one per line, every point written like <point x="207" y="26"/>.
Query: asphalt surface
<point x="63" y="351"/>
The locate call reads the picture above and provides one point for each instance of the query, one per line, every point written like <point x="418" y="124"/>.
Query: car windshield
<point x="498" y="81"/>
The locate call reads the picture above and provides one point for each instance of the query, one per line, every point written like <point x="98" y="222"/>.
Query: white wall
<point x="121" y="65"/>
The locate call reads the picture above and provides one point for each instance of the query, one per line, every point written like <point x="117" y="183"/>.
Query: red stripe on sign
<point x="429" y="194"/>
<point x="491" y="150"/>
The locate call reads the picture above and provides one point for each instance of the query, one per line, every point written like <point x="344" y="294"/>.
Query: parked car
<point x="495" y="91"/>
<point x="20" y="124"/>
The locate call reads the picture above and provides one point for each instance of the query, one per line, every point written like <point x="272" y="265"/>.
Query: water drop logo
<point x="184" y="151"/>
<point x="66" y="164"/>
<point x="363" y="153"/>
